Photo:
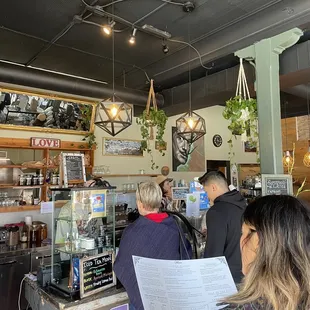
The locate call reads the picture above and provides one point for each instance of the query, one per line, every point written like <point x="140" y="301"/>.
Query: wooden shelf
<point x="34" y="166"/>
<point x="123" y="175"/>
<point x="124" y="192"/>
<point x="25" y="208"/>
<point x="21" y="187"/>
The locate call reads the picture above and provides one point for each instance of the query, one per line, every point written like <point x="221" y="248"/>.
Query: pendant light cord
<point x="308" y="113"/>
<point x="189" y="70"/>
<point x="285" y="103"/>
<point x="113" y="58"/>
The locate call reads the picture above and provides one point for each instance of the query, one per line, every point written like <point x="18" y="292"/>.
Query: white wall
<point x="215" y="123"/>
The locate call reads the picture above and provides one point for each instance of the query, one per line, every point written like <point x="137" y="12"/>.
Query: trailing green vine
<point x="157" y="120"/>
<point x="86" y="113"/>
<point x="90" y="138"/>
<point x="242" y="115"/>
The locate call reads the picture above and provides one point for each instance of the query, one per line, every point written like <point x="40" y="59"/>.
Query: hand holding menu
<point x="184" y="284"/>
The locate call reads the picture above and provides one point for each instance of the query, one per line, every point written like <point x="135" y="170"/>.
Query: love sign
<point x="45" y="143"/>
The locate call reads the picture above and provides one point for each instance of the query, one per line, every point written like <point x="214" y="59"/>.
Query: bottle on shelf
<point x="41" y="179"/>
<point x="68" y="243"/>
<point x="73" y="243"/>
<point x="77" y="242"/>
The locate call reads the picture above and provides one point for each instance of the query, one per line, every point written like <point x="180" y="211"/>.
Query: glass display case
<point x="83" y="227"/>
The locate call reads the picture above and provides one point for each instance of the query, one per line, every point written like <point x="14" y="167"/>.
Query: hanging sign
<point x="73" y="170"/>
<point x="45" y="143"/>
<point x="277" y="184"/>
<point x="96" y="274"/>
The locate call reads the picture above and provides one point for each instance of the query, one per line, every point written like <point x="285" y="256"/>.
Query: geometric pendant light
<point x="287" y="159"/>
<point x="306" y="159"/>
<point x="113" y="117"/>
<point x="190" y="126"/>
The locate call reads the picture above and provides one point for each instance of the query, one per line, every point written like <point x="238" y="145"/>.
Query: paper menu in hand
<point x="184" y="284"/>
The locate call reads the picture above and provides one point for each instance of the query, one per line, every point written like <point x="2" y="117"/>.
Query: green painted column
<point x="265" y="55"/>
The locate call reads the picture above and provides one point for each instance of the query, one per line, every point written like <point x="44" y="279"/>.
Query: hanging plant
<point x="151" y="119"/>
<point x="241" y="111"/>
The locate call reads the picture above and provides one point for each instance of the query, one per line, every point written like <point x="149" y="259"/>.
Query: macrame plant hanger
<point x="151" y="103"/>
<point x="243" y="93"/>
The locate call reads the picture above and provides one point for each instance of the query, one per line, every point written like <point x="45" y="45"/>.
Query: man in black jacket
<point x="224" y="221"/>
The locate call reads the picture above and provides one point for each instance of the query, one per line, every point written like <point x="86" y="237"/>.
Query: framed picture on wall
<point x="248" y="148"/>
<point x="121" y="147"/>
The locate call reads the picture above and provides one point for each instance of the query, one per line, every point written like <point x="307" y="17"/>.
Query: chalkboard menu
<point x="73" y="168"/>
<point x="96" y="274"/>
<point x="179" y="193"/>
<point x="277" y="184"/>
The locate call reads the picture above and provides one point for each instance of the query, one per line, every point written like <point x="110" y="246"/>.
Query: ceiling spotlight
<point x="165" y="47"/>
<point x="132" y="39"/>
<point x="107" y="29"/>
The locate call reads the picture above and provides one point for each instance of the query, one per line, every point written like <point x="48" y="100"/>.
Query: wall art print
<point x="186" y="156"/>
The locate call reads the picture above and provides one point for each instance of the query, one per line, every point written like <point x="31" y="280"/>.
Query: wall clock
<point x="217" y="140"/>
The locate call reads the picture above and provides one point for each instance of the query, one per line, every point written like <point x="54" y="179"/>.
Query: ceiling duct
<point x="36" y="78"/>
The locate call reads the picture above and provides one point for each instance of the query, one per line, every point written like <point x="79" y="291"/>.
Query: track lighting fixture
<point x="165" y="47"/>
<point x="132" y="39"/>
<point x="107" y="29"/>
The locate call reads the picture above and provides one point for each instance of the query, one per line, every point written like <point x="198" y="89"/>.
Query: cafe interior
<point x="121" y="92"/>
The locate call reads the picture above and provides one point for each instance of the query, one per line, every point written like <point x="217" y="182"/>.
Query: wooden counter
<point x="40" y="299"/>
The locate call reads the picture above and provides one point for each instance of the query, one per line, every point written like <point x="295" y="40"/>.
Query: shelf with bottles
<point x="102" y="175"/>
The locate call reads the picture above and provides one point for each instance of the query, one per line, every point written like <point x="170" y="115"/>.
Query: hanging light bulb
<point x="132" y="39"/>
<point x="306" y="160"/>
<point x="114" y="111"/>
<point x="287" y="159"/>
<point x="191" y="123"/>
<point x="107" y="29"/>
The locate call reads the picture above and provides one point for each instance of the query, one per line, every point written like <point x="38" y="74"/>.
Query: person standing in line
<point x="154" y="235"/>
<point x="223" y="221"/>
<point x="164" y="184"/>
<point x="275" y="245"/>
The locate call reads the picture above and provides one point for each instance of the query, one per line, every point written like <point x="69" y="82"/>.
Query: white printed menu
<point x="197" y="284"/>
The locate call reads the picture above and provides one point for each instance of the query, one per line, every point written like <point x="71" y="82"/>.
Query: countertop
<point x="6" y="251"/>
<point x="39" y="298"/>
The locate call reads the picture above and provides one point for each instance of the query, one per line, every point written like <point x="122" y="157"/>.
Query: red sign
<point x="45" y="143"/>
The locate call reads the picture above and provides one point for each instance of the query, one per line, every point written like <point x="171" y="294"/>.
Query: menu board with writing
<point x="277" y="184"/>
<point x="179" y="193"/>
<point x="96" y="274"/>
<point x="73" y="168"/>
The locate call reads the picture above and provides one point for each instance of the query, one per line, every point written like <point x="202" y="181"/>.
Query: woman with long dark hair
<point x="164" y="184"/>
<point x="275" y="247"/>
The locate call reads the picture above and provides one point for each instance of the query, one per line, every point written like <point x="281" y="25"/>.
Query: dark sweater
<point x="146" y="238"/>
<point x="224" y="230"/>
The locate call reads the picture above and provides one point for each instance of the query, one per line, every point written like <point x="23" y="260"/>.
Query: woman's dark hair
<point x="280" y="273"/>
<point x="161" y="185"/>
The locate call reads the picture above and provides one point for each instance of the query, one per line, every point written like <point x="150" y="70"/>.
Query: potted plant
<point x="242" y="114"/>
<point x="148" y="121"/>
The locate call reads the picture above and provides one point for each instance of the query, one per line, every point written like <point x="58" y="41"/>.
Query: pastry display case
<point x="83" y="228"/>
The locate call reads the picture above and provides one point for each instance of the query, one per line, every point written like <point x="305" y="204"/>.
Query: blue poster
<point x="98" y="203"/>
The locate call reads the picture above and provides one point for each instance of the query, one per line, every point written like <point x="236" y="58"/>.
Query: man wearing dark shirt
<point x="224" y="221"/>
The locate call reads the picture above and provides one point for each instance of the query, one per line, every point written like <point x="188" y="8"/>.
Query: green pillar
<point x="265" y="55"/>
